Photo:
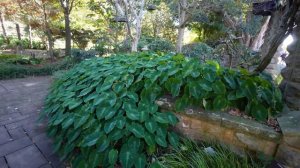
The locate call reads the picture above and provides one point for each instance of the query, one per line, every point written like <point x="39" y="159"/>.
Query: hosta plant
<point x="103" y="111"/>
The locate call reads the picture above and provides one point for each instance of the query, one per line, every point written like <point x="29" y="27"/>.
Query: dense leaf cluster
<point x="103" y="111"/>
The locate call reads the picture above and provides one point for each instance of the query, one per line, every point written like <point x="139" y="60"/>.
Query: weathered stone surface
<point x="17" y="133"/>
<point x="21" y="101"/>
<point x="4" y="136"/>
<point x="290" y="126"/>
<point x="3" y="163"/>
<point x="238" y="133"/>
<point x="26" y="157"/>
<point x="257" y="144"/>
<point x="44" y="144"/>
<point x="288" y="155"/>
<point x="14" y="146"/>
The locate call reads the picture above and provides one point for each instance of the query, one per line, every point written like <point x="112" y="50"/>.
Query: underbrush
<point x="193" y="155"/>
<point x="19" y="68"/>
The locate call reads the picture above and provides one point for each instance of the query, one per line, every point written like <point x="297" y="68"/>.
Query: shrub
<point x="199" y="50"/>
<point x="9" y="70"/>
<point x="80" y="55"/>
<point x="191" y="154"/>
<point x="104" y="111"/>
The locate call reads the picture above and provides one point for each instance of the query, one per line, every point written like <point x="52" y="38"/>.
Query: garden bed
<point x="242" y="136"/>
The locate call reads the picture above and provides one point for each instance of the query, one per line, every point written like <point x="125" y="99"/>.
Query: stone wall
<point x="34" y="53"/>
<point x="239" y="134"/>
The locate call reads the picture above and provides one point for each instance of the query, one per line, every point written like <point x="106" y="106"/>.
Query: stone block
<point x="13" y="146"/>
<point x="3" y="163"/>
<point x="290" y="126"/>
<point x="26" y="157"/>
<point x="253" y="143"/>
<point x="17" y="133"/>
<point x="4" y="136"/>
<point x="288" y="155"/>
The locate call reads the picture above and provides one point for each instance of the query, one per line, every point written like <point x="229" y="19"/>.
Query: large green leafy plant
<point x="103" y="111"/>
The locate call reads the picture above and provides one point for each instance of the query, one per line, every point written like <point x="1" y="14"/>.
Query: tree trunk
<point x="30" y="36"/>
<point x="50" y="43"/>
<point x="18" y="31"/>
<point x="291" y="74"/>
<point x="181" y="27"/>
<point x="259" y="39"/>
<point x="68" y="34"/>
<point x="2" y="25"/>
<point x="179" y="43"/>
<point x="281" y="22"/>
<point x="48" y="34"/>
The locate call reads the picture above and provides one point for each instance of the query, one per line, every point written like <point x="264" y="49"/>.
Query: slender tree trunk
<point x="179" y="43"/>
<point x="181" y="27"/>
<point x="2" y="25"/>
<point x="259" y="39"/>
<point x="138" y="27"/>
<point x="68" y="33"/>
<point x="50" y="43"/>
<point x="30" y="36"/>
<point x="48" y="34"/>
<point x="18" y="31"/>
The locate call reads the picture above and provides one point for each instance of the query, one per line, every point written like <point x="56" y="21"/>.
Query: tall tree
<point x="133" y="11"/>
<point x="67" y="6"/>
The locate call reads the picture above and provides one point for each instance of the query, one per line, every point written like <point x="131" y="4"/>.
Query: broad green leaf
<point x="219" y="87"/>
<point x="74" y="104"/>
<point x="111" y="113"/>
<point x="101" y="112"/>
<point x="161" y="141"/>
<point x="91" y="139"/>
<point x="133" y="96"/>
<point x="118" y="87"/>
<point x="220" y="103"/>
<point x="91" y="97"/>
<point x="140" y="161"/>
<point x="112" y="156"/>
<point x="67" y="122"/>
<point x="144" y="115"/>
<point x="205" y="85"/>
<point x="171" y="118"/>
<point x="94" y="159"/>
<point x="120" y="122"/>
<point x="79" y="122"/>
<point x="126" y="157"/>
<point x="116" y="134"/>
<point x="259" y="112"/>
<point x="131" y="111"/>
<point x="137" y="130"/>
<point x="173" y="139"/>
<point x="181" y="103"/>
<point x="149" y="139"/>
<point x="195" y="89"/>
<point x="230" y="81"/>
<point x="210" y="76"/>
<point x="85" y="91"/>
<point x="161" y="118"/>
<point x="104" y="143"/>
<point x="173" y="85"/>
<point x="151" y="125"/>
<point x="109" y="126"/>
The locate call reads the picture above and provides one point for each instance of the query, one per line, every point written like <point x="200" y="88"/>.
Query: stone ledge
<point x="289" y="123"/>
<point x="225" y="120"/>
<point x="239" y="134"/>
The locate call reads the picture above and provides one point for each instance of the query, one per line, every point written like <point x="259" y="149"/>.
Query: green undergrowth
<point x="9" y="70"/>
<point x="103" y="111"/>
<point x="191" y="154"/>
